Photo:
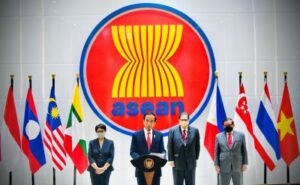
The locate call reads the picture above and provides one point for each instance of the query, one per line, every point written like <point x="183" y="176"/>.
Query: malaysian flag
<point x="54" y="136"/>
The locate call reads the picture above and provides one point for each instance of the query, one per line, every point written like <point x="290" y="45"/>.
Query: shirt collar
<point x="146" y="131"/>
<point x="187" y="128"/>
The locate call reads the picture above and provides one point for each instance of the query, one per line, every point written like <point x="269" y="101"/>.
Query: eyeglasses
<point x="100" y="131"/>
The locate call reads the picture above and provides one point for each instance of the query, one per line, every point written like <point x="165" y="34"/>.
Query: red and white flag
<point x="242" y="116"/>
<point x="10" y="133"/>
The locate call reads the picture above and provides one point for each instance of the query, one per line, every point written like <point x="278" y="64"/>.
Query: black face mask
<point x="228" y="129"/>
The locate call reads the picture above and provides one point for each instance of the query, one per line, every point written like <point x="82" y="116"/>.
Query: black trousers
<point x="187" y="176"/>
<point x="141" y="180"/>
<point x="102" y="179"/>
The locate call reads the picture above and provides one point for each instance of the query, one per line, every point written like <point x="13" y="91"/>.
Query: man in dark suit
<point x="231" y="157"/>
<point x="183" y="151"/>
<point x="147" y="141"/>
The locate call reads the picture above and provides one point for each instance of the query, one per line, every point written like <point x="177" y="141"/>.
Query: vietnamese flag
<point x="287" y="131"/>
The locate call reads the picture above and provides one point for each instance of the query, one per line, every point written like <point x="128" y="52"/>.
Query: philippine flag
<point x="265" y="121"/>
<point x="32" y="143"/>
<point x="214" y="123"/>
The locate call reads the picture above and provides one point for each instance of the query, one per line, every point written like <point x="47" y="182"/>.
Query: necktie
<point x="148" y="141"/>
<point x="184" y="136"/>
<point x="230" y="140"/>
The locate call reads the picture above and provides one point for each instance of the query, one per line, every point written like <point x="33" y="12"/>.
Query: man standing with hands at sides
<point x="146" y="141"/>
<point x="231" y="157"/>
<point x="183" y="151"/>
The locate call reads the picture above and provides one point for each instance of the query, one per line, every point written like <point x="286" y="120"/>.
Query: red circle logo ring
<point x="142" y="58"/>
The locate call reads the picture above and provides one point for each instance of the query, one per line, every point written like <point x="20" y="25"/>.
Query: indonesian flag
<point x="242" y="116"/>
<point x="287" y="131"/>
<point x="215" y="119"/>
<point x="75" y="143"/>
<point x="10" y="133"/>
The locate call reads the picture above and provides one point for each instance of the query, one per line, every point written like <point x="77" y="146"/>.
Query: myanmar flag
<point x="287" y="129"/>
<point x="75" y="143"/>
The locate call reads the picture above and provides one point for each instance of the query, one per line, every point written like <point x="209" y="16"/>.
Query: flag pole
<point x="218" y="174"/>
<point x="53" y="169"/>
<point x="74" y="180"/>
<point x="287" y="166"/>
<point x="265" y="166"/>
<point x="30" y="86"/>
<point x="240" y="78"/>
<point x="12" y="88"/>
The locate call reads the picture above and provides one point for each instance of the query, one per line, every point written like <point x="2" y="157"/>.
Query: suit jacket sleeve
<point x="90" y="152"/>
<point x="244" y="151"/>
<point x="217" y="153"/>
<point x="197" y="143"/>
<point x="133" y="147"/>
<point x="171" y="146"/>
<point x="111" y="153"/>
<point x="162" y="147"/>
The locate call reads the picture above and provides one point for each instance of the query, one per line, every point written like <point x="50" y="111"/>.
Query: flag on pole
<point x="32" y="143"/>
<point x="287" y="131"/>
<point x="10" y="132"/>
<point x="10" y="117"/>
<point x="242" y="116"/>
<point x="53" y="134"/>
<point x="215" y="119"/>
<point x="75" y="143"/>
<point x="265" y="121"/>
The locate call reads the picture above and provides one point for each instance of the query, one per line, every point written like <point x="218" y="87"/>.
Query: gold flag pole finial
<point x="217" y="74"/>
<point x="240" y="78"/>
<point x="12" y="80"/>
<point x="285" y="75"/>
<point x="53" y="79"/>
<point x="30" y="81"/>
<point x="265" y="75"/>
<point x="77" y="78"/>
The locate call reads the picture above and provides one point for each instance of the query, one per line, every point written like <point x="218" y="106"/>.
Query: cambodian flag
<point x="32" y="143"/>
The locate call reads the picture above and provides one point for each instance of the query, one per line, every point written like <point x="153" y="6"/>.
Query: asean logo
<point x="146" y="57"/>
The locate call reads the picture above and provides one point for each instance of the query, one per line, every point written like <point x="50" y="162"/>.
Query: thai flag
<point x="265" y="121"/>
<point x="32" y="143"/>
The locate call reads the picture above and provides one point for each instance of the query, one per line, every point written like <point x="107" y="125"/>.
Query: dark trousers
<point x="141" y="180"/>
<point x="102" y="179"/>
<point x="187" y="176"/>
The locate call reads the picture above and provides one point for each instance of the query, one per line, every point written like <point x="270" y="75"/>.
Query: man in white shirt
<point x="146" y="141"/>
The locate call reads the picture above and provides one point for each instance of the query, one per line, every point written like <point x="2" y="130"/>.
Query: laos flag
<point x="32" y="143"/>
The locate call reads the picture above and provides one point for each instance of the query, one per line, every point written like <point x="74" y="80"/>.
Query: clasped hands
<point x="100" y="170"/>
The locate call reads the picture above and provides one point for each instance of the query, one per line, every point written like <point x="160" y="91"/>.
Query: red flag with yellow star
<point x="287" y="129"/>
